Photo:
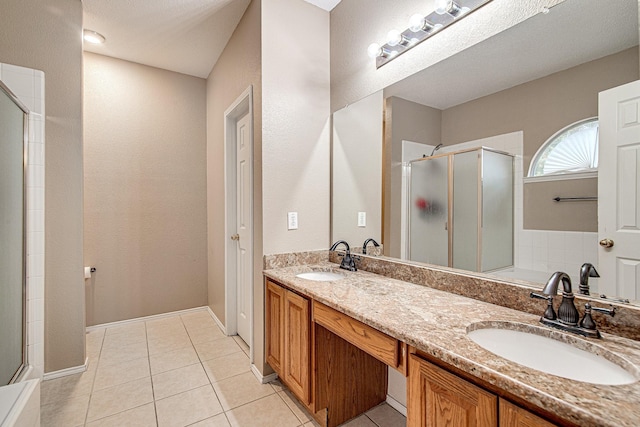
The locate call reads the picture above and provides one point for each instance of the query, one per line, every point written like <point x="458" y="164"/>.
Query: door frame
<point x="239" y="108"/>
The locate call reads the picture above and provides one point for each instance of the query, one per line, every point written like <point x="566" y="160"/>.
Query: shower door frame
<point x="25" y="157"/>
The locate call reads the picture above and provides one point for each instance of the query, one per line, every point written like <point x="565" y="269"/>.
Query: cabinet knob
<point x="235" y="237"/>
<point x="606" y="243"/>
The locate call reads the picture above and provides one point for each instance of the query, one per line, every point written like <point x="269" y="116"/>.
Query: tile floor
<point x="176" y="371"/>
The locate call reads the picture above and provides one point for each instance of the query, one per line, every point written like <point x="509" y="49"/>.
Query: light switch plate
<point x="362" y="219"/>
<point x="292" y="220"/>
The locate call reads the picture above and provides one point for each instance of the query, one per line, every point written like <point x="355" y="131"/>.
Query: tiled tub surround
<point x="436" y="322"/>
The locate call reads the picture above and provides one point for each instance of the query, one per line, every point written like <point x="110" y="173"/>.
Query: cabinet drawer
<point x="366" y="338"/>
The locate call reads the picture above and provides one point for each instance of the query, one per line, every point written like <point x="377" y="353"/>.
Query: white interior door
<point x="244" y="225"/>
<point x="619" y="191"/>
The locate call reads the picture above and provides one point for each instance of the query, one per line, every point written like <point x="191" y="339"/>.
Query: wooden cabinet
<point x="437" y="398"/>
<point x="287" y="331"/>
<point x="297" y="345"/>
<point x="514" y="416"/>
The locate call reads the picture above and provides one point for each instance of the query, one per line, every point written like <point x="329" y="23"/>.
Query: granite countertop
<point x="436" y="323"/>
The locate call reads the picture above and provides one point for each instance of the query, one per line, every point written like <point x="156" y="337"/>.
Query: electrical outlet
<point x="292" y="220"/>
<point x="362" y="219"/>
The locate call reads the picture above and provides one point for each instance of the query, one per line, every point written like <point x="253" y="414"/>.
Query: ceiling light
<point x="93" y="37"/>
<point x="422" y="27"/>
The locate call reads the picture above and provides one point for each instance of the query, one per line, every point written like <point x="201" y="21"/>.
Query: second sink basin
<point x="544" y="353"/>
<point x="321" y="276"/>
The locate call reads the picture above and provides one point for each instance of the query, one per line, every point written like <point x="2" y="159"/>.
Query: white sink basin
<point x="321" y="276"/>
<point x="554" y="357"/>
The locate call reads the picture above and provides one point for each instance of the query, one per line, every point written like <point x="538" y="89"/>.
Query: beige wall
<point x="296" y="125"/>
<point x="404" y="121"/>
<point x="540" y="108"/>
<point x="145" y="199"/>
<point x="238" y="68"/>
<point x="357" y="23"/>
<point x="46" y="35"/>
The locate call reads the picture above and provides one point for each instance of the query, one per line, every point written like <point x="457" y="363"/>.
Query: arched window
<point x="573" y="149"/>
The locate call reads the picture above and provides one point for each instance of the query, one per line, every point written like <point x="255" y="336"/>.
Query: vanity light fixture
<point x="93" y="37"/>
<point x="422" y="27"/>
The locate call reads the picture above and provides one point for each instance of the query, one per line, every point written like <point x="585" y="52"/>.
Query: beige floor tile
<point x="142" y="416"/>
<point x="217" y="421"/>
<point x="110" y="375"/>
<point x="266" y="412"/>
<point x="277" y="385"/>
<point x="385" y="416"/>
<point x="94" y="340"/>
<point x="124" y="339"/>
<point x="164" y="323"/>
<point x="218" y="348"/>
<point x="118" y="355"/>
<point x="227" y="366"/>
<point x="361" y="421"/>
<point x="241" y="389"/>
<point x="67" y="413"/>
<point x="169" y="343"/>
<point x="198" y="320"/>
<point x="312" y="423"/>
<point x="127" y="328"/>
<point x="296" y="407"/>
<point x="173" y="360"/>
<point x="205" y="334"/>
<point x="179" y="380"/>
<point x="243" y="345"/>
<point x="66" y="387"/>
<point x="120" y="398"/>
<point x="188" y="407"/>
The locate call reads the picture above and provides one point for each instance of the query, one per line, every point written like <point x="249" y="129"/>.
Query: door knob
<point x="606" y="243"/>
<point x="235" y="237"/>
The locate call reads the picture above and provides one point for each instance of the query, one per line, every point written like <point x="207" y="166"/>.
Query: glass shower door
<point x="12" y="243"/>
<point x="429" y="199"/>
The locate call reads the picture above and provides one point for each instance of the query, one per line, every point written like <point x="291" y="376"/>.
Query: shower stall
<point x="13" y="156"/>
<point x="461" y="210"/>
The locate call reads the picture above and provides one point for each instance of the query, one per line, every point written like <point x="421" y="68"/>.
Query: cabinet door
<point x="274" y="325"/>
<point x="514" y="416"/>
<point x="438" y="398"/>
<point x="296" y="344"/>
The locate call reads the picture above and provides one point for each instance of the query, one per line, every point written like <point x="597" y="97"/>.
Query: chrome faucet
<point x="568" y="316"/>
<point x="348" y="262"/>
<point x="587" y="270"/>
<point x="366" y="242"/>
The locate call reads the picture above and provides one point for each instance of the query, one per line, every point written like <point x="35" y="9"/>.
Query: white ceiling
<point x="572" y="33"/>
<point x="327" y="5"/>
<point x="185" y="36"/>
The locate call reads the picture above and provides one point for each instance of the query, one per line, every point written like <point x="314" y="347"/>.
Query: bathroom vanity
<point x="331" y="342"/>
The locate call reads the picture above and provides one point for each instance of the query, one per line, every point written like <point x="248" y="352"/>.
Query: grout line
<point x="153" y="393"/>
<point x="95" y="374"/>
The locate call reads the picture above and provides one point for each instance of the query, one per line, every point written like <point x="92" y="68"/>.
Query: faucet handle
<point x="610" y="311"/>
<point x="549" y="313"/>
<point x="587" y="321"/>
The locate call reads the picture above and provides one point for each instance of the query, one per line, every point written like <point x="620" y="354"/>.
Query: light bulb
<point x="374" y="50"/>
<point x="93" y="37"/>
<point x="443" y="6"/>
<point x="394" y="37"/>
<point x="416" y="23"/>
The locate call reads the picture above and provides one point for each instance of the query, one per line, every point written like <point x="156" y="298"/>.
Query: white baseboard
<point x="147" y="318"/>
<point x="397" y="405"/>
<point x="65" y="372"/>
<point x="263" y="379"/>
<point x="218" y="322"/>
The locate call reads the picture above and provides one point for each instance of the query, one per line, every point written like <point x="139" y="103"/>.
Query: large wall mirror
<point x="13" y="133"/>
<point x="510" y="94"/>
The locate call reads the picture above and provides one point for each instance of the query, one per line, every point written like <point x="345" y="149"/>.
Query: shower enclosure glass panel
<point x="12" y="243"/>
<point x="466" y="199"/>
<point x="429" y="211"/>
<point x="461" y="206"/>
<point x="497" y="211"/>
